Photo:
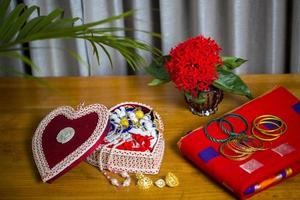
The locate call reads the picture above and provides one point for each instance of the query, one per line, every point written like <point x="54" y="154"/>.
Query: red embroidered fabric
<point x="237" y="176"/>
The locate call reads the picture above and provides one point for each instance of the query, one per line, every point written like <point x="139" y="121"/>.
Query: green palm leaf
<point x="18" y="23"/>
<point x="10" y="20"/>
<point x="4" y="4"/>
<point x="19" y="27"/>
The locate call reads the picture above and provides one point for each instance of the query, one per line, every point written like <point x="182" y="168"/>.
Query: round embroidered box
<point x="134" y="142"/>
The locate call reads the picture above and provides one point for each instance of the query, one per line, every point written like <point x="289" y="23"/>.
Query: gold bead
<point x="144" y="183"/>
<point x="160" y="183"/>
<point x="171" y="180"/>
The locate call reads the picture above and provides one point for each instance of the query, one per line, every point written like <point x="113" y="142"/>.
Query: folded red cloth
<point x="240" y="177"/>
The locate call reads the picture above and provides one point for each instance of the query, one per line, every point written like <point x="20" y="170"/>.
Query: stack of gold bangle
<point x="241" y="147"/>
<point x="264" y="134"/>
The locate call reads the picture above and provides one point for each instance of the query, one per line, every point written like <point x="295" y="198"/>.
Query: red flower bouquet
<point x="192" y="66"/>
<point x="196" y="67"/>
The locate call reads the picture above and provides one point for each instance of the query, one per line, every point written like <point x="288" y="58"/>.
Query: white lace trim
<point x="37" y="149"/>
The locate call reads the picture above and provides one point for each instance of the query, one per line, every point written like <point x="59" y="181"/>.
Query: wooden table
<point x="23" y="103"/>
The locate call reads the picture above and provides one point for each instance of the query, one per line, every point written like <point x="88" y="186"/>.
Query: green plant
<point x="227" y="80"/>
<point x="195" y="65"/>
<point x="18" y="27"/>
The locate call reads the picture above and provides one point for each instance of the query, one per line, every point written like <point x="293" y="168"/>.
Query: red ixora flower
<point x="192" y="64"/>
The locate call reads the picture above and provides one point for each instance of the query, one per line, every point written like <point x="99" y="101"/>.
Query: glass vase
<point x="213" y="96"/>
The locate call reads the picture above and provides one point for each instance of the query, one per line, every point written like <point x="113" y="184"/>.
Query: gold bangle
<point x="267" y="116"/>
<point x="261" y="144"/>
<point x="242" y="146"/>
<point x="273" y="132"/>
<point x="268" y="119"/>
<point x="241" y="156"/>
<point x="259" y="147"/>
<point x="263" y="139"/>
<point x="256" y="124"/>
<point x="267" y="122"/>
<point x="235" y="148"/>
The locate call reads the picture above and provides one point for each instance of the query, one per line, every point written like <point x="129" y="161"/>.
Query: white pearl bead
<point x="114" y="182"/>
<point x="124" y="174"/>
<point x="126" y="183"/>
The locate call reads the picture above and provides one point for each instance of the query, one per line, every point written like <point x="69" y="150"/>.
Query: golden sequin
<point x="171" y="180"/>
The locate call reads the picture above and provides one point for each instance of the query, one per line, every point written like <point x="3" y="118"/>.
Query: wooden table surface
<point x="23" y="103"/>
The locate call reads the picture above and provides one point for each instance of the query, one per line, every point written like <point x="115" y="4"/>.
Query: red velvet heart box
<point x="66" y="136"/>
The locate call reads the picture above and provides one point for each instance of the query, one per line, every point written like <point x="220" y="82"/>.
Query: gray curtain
<point x="265" y="32"/>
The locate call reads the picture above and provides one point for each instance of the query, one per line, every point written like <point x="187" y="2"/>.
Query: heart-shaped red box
<point x="67" y="136"/>
<point x="132" y="161"/>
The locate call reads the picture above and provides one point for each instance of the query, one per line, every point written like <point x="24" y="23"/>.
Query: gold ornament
<point x="139" y="176"/>
<point x="171" y="180"/>
<point x="144" y="183"/>
<point x="124" y="122"/>
<point x="160" y="183"/>
<point x="139" y="114"/>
